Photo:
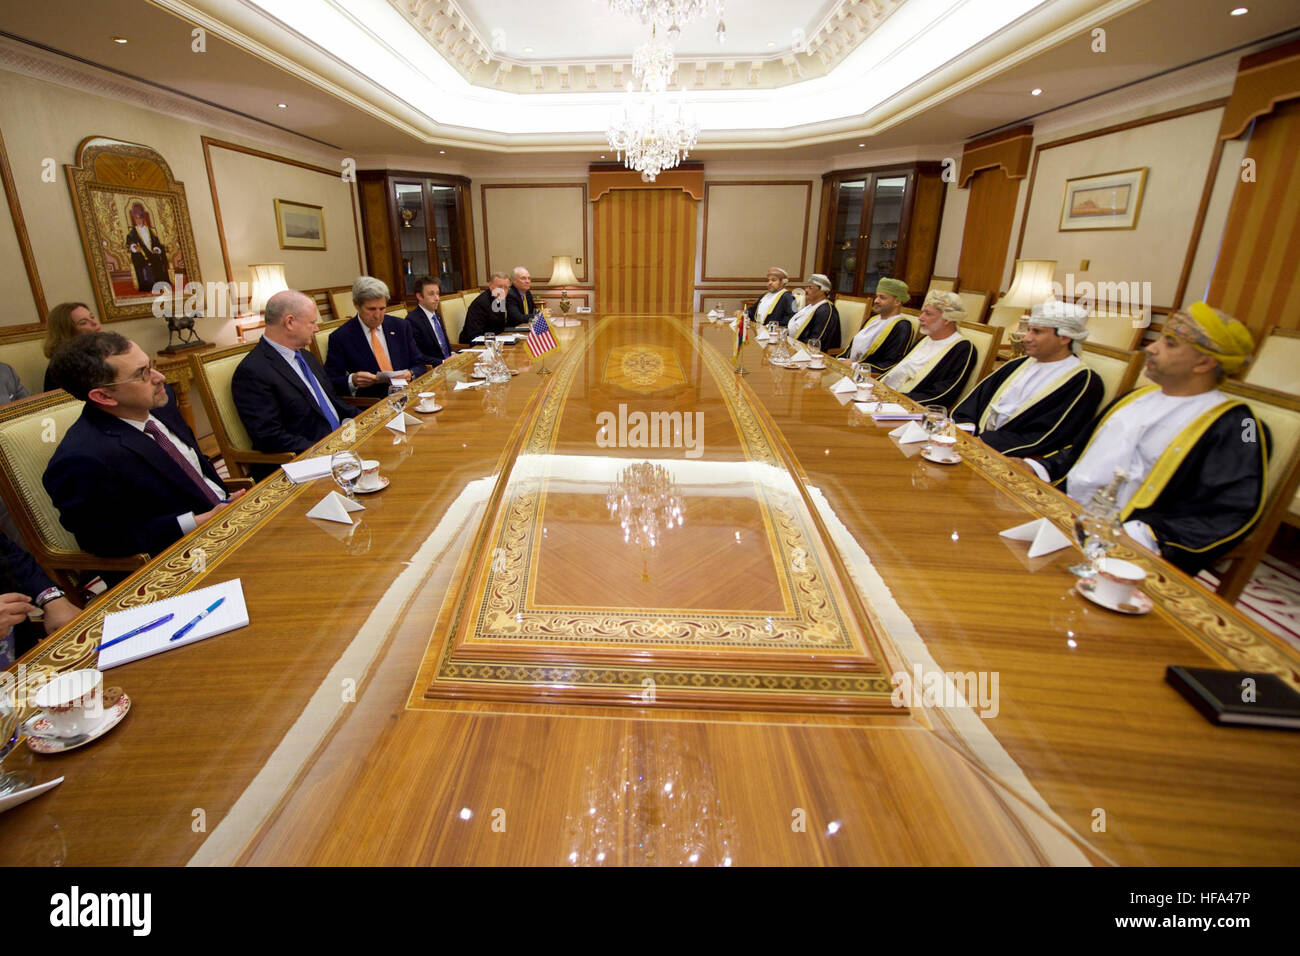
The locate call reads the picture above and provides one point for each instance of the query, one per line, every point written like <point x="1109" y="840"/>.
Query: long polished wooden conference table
<point x="646" y="611"/>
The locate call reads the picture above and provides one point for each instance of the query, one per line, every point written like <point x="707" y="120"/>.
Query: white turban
<point x="949" y="305"/>
<point x="820" y="281"/>
<point x="1067" y="318"/>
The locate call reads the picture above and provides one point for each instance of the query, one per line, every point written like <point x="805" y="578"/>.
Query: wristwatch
<point x="46" y="596"/>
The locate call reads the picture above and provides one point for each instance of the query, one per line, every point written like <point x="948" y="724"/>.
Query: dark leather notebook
<point x="1238" y="698"/>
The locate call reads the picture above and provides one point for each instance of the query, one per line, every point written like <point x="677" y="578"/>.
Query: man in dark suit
<point x="372" y="348"/>
<point x="426" y="324"/>
<point x="520" y="304"/>
<point x="27" y="587"/>
<point x="487" y="313"/>
<point x="128" y="477"/>
<point x="284" y="397"/>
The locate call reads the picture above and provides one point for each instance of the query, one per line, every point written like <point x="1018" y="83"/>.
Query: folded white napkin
<point x="801" y="356"/>
<point x="1044" y="536"/>
<point x="335" y="507"/>
<point x="762" y="338"/>
<point x="908" y="433"/>
<point x="461" y="386"/>
<point x="844" y="386"/>
<point x="967" y="427"/>
<point x="308" y="469"/>
<point x="399" y="423"/>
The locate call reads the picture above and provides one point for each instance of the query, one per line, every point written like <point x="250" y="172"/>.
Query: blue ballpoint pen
<point x="202" y="614"/>
<point x="139" y="630"/>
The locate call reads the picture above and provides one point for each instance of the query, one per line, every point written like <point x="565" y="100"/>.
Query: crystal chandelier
<point x="652" y="64"/>
<point x="652" y="135"/>
<point x="672" y="15"/>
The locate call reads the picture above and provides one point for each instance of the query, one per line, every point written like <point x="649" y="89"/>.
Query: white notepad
<point x="308" y="469"/>
<point x="184" y="608"/>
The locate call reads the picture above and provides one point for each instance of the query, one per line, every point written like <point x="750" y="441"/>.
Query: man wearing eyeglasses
<point x="128" y="477"/>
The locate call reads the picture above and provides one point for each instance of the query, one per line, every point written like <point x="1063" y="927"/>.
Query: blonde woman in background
<point x="66" y="321"/>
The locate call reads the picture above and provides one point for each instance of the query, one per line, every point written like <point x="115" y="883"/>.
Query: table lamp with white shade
<point x="268" y="279"/>
<point x="562" y="276"/>
<point x="1030" y="284"/>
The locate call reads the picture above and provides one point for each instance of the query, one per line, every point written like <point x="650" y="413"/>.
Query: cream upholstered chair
<point x="1277" y="362"/>
<point x="321" y="340"/>
<point x="341" y="303"/>
<point x="213" y="372"/>
<point x="1118" y="330"/>
<point x="1281" y="413"/>
<point x="976" y="303"/>
<point x="800" y="299"/>
<point x="853" y="315"/>
<point x="1117" y="369"/>
<point x="941" y="284"/>
<point x="452" y="309"/>
<point x="986" y="339"/>
<point x="30" y="430"/>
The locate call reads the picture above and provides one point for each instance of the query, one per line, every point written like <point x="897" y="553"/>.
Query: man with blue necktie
<point x="426" y="324"/>
<point x="284" y="397"/>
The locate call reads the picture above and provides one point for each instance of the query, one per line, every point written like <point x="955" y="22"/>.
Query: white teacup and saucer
<point x="1117" y="587"/>
<point x="370" y="480"/>
<point x="942" y="450"/>
<point x="428" y="403"/>
<point x="74" y="710"/>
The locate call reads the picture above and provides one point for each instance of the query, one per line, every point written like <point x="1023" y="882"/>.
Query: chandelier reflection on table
<point x="647" y="504"/>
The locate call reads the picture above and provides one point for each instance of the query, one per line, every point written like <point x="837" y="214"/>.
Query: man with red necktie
<point x="128" y="477"/>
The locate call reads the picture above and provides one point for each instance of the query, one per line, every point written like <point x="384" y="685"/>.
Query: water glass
<point x="934" y="415"/>
<point x="9" y="734"/>
<point x="397" y="397"/>
<point x="345" y="466"/>
<point x="1097" y="534"/>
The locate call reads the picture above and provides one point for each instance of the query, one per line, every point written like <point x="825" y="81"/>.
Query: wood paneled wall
<point x="645" y="250"/>
<point x="1257" y="276"/>
<point x="990" y="216"/>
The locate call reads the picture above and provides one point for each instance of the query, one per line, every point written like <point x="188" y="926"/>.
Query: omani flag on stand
<point x="742" y="331"/>
<point x="539" y="337"/>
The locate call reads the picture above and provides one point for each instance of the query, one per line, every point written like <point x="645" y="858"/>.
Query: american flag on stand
<point x="539" y="337"/>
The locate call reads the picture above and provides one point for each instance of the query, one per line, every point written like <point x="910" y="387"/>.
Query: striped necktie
<point x="174" y="453"/>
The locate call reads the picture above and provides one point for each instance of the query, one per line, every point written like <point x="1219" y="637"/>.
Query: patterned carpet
<point x="1272" y="598"/>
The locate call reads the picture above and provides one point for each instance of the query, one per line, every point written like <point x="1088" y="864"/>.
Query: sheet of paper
<point x="307" y="469"/>
<point x="461" y="386"/>
<point x="232" y="614"/>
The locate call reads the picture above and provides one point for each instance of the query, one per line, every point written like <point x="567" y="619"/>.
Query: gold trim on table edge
<point x="1222" y="630"/>
<point x="171" y="573"/>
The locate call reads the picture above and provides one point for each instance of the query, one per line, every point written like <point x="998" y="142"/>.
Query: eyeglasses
<point x="144" y="375"/>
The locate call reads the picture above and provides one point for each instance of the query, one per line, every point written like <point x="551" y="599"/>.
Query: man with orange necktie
<point x="372" y="348"/>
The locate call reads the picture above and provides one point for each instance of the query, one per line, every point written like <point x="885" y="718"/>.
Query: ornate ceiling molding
<point x="480" y="59"/>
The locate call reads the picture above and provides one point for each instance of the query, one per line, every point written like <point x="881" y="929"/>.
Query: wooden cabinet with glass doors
<point x="417" y="224"/>
<point x="878" y="223"/>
